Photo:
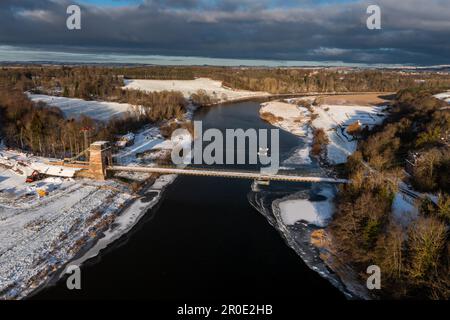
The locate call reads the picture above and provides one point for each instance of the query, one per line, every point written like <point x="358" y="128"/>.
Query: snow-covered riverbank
<point x="41" y="232"/>
<point x="298" y="235"/>
<point x="291" y="116"/>
<point x="299" y="217"/>
<point x="317" y="212"/>
<point x="46" y="224"/>
<point x="287" y="116"/>
<point x="148" y="198"/>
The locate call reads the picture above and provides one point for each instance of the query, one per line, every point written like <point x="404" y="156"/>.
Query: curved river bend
<point x="205" y="241"/>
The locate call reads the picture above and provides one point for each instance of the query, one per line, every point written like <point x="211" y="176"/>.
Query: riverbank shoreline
<point x="130" y="216"/>
<point x="99" y="246"/>
<point x="299" y="235"/>
<point x="300" y="244"/>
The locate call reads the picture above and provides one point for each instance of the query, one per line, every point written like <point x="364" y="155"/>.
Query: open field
<point x="371" y="99"/>
<point x="213" y="88"/>
<point x="74" y="108"/>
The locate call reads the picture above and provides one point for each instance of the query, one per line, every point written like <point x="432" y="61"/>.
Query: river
<point x="205" y="241"/>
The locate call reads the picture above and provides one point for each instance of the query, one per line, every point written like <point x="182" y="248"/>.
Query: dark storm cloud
<point x="414" y="31"/>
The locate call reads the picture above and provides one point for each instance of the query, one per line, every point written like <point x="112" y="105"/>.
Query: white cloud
<point x="330" y="52"/>
<point x="37" y="15"/>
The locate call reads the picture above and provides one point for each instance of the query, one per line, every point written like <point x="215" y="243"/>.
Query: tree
<point x="320" y="141"/>
<point x="201" y="98"/>
<point x="426" y="244"/>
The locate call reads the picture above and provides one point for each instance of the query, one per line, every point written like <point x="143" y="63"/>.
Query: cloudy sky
<point x="413" y="31"/>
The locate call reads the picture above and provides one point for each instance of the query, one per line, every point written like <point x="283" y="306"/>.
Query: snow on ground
<point x="73" y="108"/>
<point x="41" y="232"/>
<point x="335" y="118"/>
<point x="129" y="217"/>
<point x="24" y="164"/>
<point x="404" y="208"/>
<point x="444" y="96"/>
<point x="45" y="224"/>
<point x="15" y="193"/>
<point x="39" y="235"/>
<point x="313" y="212"/>
<point x="213" y="88"/>
<point x="150" y="141"/>
<point x="292" y="118"/>
<point x="145" y="140"/>
<point x="301" y="155"/>
<point x="287" y="116"/>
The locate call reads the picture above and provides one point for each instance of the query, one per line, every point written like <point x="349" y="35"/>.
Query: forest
<point x="297" y="80"/>
<point x="32" y="126"/>
<point x="412" y="145"/>
<point x="89" y="82"/>
<point x="45" y="131"/>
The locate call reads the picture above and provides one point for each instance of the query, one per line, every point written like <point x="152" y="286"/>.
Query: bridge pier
<point x="259" y="182"/>
<point x="100" y="159"/>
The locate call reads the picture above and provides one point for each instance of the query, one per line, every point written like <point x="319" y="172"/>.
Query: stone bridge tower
<point x="100" y="157"/>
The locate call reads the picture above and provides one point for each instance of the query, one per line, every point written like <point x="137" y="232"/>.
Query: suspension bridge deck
<point x="227" y="174"/>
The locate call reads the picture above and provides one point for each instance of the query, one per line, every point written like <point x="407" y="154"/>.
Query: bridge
<point x="101" y="165"/>
<point x="202" y="172"/>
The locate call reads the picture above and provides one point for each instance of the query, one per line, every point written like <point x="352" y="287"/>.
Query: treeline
<point x="414" y="257"/>
<point x="283" y="81"/>
<point x="93" y="83"/>
<point x="415" y="137"/>
<point x="44" y="130"/>
<point x="106" y="82"/>
<point x="297" y="80"/>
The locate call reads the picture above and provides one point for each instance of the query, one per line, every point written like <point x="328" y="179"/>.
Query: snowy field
<point x="39" y="235"/>
<point x="187" y="87"/>
<point x="43" y="224"/>
<point x="46" y="224"/>
<point x="74" y="108"/>
<point x="301" y="155"/>
<point x="334" y="119"/>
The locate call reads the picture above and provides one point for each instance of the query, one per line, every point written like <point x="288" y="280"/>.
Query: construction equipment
<point x="35" y="176"/>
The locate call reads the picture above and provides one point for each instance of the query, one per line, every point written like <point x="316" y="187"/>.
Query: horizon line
<point x="21" y="54"/>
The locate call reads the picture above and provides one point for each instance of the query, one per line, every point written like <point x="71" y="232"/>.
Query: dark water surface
<point x="204" y="242"/>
